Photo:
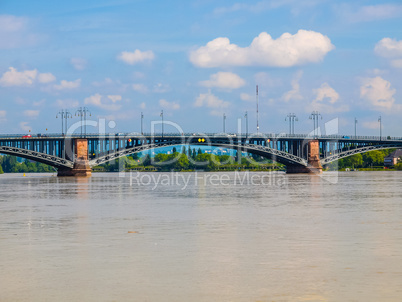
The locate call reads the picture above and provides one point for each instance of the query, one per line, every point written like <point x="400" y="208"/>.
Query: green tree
<point x="181" y="162"/>
<point x="161" y="157"/>
<point x="354" y="161"/>
<point x="375" y="158"/>
<point x="225" y="159"/>
<point x="146" y="161"/>
<point x="1" y="170"/>
<point x="9" y="163"/>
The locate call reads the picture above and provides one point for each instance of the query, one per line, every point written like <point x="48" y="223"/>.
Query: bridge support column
<point x="81" y="165"/>
<point x="314" y="163"/>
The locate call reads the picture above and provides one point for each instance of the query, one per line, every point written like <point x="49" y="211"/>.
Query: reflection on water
<point x="109" y="238"/>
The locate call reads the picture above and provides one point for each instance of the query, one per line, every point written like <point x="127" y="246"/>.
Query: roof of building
<point x="395" y="154"/>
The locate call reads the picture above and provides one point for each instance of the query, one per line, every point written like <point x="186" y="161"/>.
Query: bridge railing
<point x="238" y="135"/>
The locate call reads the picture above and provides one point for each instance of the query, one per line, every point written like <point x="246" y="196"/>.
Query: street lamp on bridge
<point x="162" y="121"/>
<point x="292" y="118"/>
<point x="355" y="128"/>
<point x="82" y="112"/>
<point x="224" y="123"/>
<point x="315" y="117"/>
<point x="64" y="115"/>
<point x="246" y="117"/>
<point x="142" y="119"/>
<point x="380" y="121"/>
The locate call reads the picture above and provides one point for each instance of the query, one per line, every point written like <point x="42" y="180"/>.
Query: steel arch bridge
<point x="300" y="153"/>
<point x="265" y="151"/>
<point x="43" y="158"/>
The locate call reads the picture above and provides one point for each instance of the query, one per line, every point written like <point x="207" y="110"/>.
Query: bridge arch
<point x="267" y="152"/>
<point x="43" y="158"/>
<point x="329" y="159"/>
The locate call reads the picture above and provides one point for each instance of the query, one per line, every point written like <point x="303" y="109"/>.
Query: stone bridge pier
<point x="314" y="163"/>
<point x="81" y="164"/>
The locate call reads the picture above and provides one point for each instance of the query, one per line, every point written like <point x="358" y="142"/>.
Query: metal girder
<point x="37" y="156"/>
<point x="128" y="151"/>
<point x="340" y="155"/>
<point x="281" y="155"/>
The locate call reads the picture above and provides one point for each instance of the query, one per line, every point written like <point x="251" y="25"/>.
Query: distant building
<point x="393" y="158"/>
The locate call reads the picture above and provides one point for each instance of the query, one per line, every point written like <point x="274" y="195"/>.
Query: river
<point x="201" y="237"/>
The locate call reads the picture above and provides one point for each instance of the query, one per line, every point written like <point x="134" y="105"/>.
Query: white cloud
<point x="95" y="99"/>
<point x="326" y="100"/>
<point x="326" y="94"/>
<point x="161" y="88"/>
<point x="396" y="63"/>
<point x="2" y="114"/>
<point x="390" y="49"/>
<point x="140" y="88"/>
<point x="105" y="82"/>
<point x="266" y="80"/>
<point x="247" y="97"/>
<point x="78" y="63"/>
<point x="66" y="103"/>
<point x="24" y="126"/>
<point x="378" y="93"/>
<point x="39" y="103"/>
<point x="12" y="77"/>
<point x="143" y="105"/>
<point x="100" y="101"/>
<point x="225" y="80"/>
<point x="68" y="84"/>
<point x="135" y="57"/>
<point x="372" y="125"/>
<point x="353" y="13"/>
<point x="288" y="50"/>
<point x="211" y="101"/>
<point x="14" y="32"/>
<point x="31" y="113"/>
<point x="294" y="93"/>
<point x="169" y="105"/>
<point x="138" y="75"/>
<point x="376" y="72"/>
<point x="46" y="78"/>
<point x="114" y="98"/>
<point x="9" y="23"/>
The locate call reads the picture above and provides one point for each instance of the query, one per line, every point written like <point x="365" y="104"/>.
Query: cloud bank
<point x="135" y="57"/>
<point x="286" y="51"/>
<point x="225" y="80"/>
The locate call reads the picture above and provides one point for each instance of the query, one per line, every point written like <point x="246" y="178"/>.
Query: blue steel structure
<point x="291" y="150"/>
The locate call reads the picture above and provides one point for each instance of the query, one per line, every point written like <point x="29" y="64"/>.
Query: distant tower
<point x="256" y="96"/>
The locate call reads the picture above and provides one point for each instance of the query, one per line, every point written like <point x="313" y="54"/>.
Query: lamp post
<point x="224" y="122"/>
<point x="64" y="115"/>
<point x="292" y="118"/>
<point x="256" y="98"/>
<point x="315" y="117"/>
<point x="246" y="117"/>
<point x="142" y="119"/>
<point x="355" y="128"/>
<point x="82" y="112"/>
<point x="380" y="121"/>
<point x="162" y="121"/>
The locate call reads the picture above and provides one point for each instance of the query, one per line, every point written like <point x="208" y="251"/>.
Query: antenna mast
<point x="256" y="96"/>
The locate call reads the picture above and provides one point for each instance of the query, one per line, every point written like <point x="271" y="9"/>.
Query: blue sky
<point x="197" y="60"/>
